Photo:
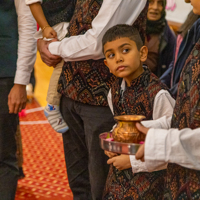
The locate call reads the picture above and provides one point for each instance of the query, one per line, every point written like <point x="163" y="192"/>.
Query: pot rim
<point x="129" y="117"/>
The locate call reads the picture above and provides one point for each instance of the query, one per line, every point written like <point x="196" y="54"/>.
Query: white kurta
<point x="27" y="47"/>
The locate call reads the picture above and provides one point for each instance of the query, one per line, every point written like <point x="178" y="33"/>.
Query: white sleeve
<point x="172" y="146"/>
<point x="26" y="44"/>
<point x="88" y="46"/>
<point x="28" y="2"/>
<point x="163" y="105"/>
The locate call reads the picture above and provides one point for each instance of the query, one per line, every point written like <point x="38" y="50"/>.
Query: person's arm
<point x="163" y="105"/>
<point x="162" y="111"/>
<point x="39" y="16"/>
<point x="170" y="146"/>
<point x="88" y="46"/>
<point x="26" y="57"/>
<point x="173" y="146"/>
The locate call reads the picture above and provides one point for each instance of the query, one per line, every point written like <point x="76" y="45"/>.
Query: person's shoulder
<point x="155" y="80"/>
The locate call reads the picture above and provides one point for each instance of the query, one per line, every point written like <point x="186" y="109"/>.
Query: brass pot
<point x="126" y="130"/>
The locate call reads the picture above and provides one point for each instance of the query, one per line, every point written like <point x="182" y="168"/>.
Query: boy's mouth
<point x="121" y="68"/>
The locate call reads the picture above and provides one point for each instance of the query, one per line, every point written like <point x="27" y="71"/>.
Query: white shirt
<point x="28" y="2"/>
<point x="88" y="46"/>
<point x="172" y="146"/>
<point x="27" y="45"/>
<point x="163" y="106"/>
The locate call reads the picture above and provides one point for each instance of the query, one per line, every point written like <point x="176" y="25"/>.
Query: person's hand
<point x="121" y="162"/>
<point x="140" y="153"/>
<point x="110" y="154"/>
<point x="49" y="32"/>
<point x="46" y="56"/>
<point x="17" y="98"/>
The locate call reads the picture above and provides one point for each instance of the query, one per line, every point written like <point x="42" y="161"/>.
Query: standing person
<point x="140" y="92"/>
<point x="185" y="33"/>
<point x="53" y="18"/>
<point x="160" y="39"/>
<point x="18" y="53"/>
<point x="179" y="146"/>
<point x="84" y="86"/>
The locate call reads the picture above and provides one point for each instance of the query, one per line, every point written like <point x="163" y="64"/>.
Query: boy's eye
<point x="125" y="50"/>
<point x="111" y="55"/>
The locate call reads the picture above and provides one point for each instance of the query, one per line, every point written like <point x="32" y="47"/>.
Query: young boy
<point x="49" y="16"/>
<point x="136" y="91"/>
<point x="179" y="146"/>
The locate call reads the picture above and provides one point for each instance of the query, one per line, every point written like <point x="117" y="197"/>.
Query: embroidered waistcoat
<point x="89" y="81"/>
<point x="183" y="183"/>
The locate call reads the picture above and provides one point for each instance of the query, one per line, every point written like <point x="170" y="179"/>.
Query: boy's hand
<point x="49" y="32"/>
<point x="140" y="153"/>
<point x="121" y="162"/>
<point x="110" y="154"/>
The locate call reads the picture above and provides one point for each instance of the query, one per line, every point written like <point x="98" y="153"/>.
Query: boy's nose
<point x="119" y="57"/>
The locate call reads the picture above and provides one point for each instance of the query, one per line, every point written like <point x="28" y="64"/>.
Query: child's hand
<point x="110" y="154"/>
<point x="49" y="32"/>
<point x="140" y="153"/>
<point x="121" y="162"/>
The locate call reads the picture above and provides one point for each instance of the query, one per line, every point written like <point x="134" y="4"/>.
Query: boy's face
<point x="196" y="6"/>
<point x="124" y="59"/>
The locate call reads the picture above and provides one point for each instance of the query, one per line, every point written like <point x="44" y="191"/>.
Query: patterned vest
<point x="89" y="81"/>
<point x="183" y="183"/>
<point x="8" y="38"/>
<point x="57" y="11"/>
<point x="139" y="97"/>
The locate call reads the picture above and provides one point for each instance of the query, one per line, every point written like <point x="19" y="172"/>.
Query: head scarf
<point x="156" y="27"/>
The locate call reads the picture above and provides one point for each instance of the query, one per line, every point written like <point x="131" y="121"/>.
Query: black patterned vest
<point x="137" y="99"/>
<point x="183" y="183"/>
<point x="89" y="81"/>
<point x="57" y="11"/>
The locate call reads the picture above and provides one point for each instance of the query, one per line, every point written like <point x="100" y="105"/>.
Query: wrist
<point x="45" y="27"/>
<point x="20" y="85"/>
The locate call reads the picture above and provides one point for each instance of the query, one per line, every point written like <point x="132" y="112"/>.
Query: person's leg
<point x="19" y="153"/>
<point x="53" y="97"/>
<point x="96" y="119"/>
<point x="52" y="109"/>
<point x="76" y="155"/>
<point x="8" y="161"/>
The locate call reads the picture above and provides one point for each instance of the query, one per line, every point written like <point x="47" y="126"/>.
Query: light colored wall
<point x="180" y="13"/>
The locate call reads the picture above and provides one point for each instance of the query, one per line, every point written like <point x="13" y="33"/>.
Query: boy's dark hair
<point x="120" y="31"/>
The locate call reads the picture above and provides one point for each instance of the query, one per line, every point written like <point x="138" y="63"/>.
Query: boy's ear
<point x="143" y="53"/>
<point x="105" y="62"/>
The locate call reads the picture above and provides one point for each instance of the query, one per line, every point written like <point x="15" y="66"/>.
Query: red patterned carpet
<point x="44" y="164"/>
